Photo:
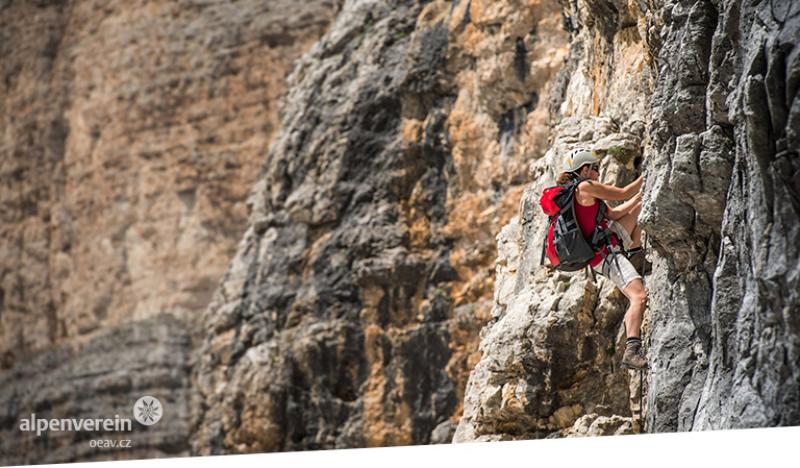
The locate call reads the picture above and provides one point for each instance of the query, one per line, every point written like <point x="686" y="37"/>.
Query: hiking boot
<point x="638" y="260"/>
<point x="634" y="357"/>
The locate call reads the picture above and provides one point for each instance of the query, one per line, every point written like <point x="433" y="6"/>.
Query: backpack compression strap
<point x="544" y="243"/>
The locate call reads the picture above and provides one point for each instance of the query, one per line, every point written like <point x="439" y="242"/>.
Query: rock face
<point x="96" y="380"/>
<point x="722" y="205"/>
<point x="720" y="208"/>
<point x="349" y="317"/>
<point x="386" y="289"/>
<point x="551" y="353"/>
<point x="130" y="136"/>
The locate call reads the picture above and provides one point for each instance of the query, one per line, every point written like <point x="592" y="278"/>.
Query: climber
<point x="583" y="167"/>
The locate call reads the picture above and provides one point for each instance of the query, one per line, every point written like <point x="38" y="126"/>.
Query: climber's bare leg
<point x="631" y="224"/>
<point x="637" y="296"/>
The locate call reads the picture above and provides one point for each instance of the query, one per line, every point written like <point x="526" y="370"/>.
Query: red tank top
<point x="586" y="216"/>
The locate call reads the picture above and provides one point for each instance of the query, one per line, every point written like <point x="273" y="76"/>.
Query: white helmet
<point x="578" y="158"/>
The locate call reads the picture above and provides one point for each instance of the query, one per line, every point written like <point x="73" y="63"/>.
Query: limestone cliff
<point x="723" y="207"/>
<point x="715" y="91"/>
<point x="350" y="314"/>
<point x="131" y="133"/>
<point x="386" y="288"/>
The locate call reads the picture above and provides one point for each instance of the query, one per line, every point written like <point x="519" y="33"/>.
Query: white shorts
<point x="616" y="266"/>
<point x="621" y="233"/>
<point x="618" y="269"/>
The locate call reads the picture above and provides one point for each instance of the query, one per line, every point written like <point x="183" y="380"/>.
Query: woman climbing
<point x="581" y="166"/>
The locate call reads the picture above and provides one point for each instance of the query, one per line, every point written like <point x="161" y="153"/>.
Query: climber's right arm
<point x="610" y="192"/>
<point x="623" y="209"/>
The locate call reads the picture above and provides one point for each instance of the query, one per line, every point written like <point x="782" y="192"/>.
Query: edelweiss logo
<point x="147" y="410"/>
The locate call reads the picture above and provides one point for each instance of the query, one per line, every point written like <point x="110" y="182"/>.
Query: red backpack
<point x="564" y="244"/>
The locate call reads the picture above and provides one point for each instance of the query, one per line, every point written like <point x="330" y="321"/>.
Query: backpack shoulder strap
<point x="567" y="195"/>
<point x="601" y="211"/>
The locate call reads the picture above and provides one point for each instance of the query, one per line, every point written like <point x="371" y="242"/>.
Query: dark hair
<point x="565" y="177"/>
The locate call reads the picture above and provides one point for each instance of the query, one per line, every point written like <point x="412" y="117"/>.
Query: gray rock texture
<point x="549" y="359"/>
<point x="386" y="286"/>
<point x="101" y="378"/>
<point x="131" y="133"/>
<point x="350" y="314"/>
<point x="318" y="338"/>
<point x="722" y="208"/>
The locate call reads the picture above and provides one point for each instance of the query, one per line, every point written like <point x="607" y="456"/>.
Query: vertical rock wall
<point x="549" y="359"/>
<point x="395" y="216"/>
<point x="350" y="314"/>
<point x="130" y="135"/>
<point x="722" y="207"/>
